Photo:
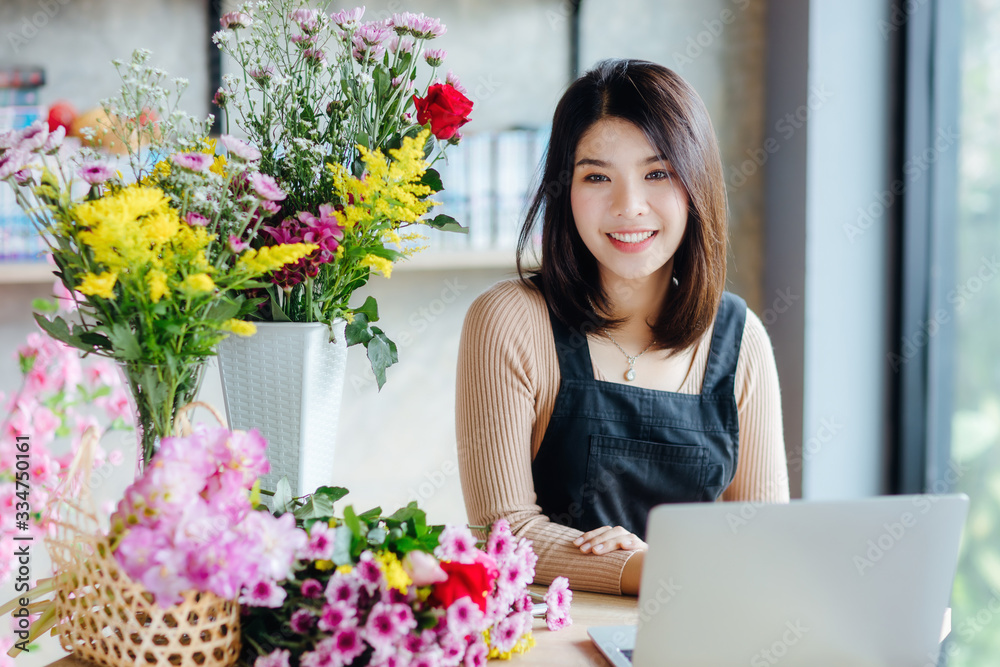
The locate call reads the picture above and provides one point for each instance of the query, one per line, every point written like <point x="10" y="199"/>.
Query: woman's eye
<point x="594" y="178"/>
<point x="657" y="175"/>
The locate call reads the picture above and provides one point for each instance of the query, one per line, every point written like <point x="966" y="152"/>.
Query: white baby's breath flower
<point x="221" y="37"/>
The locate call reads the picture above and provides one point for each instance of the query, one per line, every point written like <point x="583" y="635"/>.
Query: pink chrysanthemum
<point x="308" y="20"/>
<point x="337" y="615"/>
<point x="276" y="658"/>
<point x="477" y="653"/>
<point x="234" y="20"/>
<point x="505" y="634"/>
<point x="435" y="57"/>
<point x="397" y="44"/>
<point x="95" y="173"/>
<point x="501" y="542"/>
<point x="197" y="162"/>
<point x="312" y="589"/>
<point x="237" y="245"/>
<point x="348" y="18"/>
<point x="239" y="149"/>
<point x="452" y="80"/>
<point x="387" y="624"/>
<point x="456" y="544"/>
<point x="196" y="219"/>
<point x="264" y="593"/>
<point x="266" y="187"/>
<point x="302" y="621"/>
<point x="557" y="602"/>
<point x="464" y="617"/>
<point x="343" y="588"/>
<point x="320" y="546"/>
<point x="418" y="25"/>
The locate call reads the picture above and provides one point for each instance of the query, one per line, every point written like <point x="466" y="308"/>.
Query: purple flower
<point x="221" y="98"/>
<point x="320" y="546"/>
<point x="368" y="572"/>
<point x="193" y="161"/>
<point x="336" y="651"/>
<point x="13" y="161"/>
<point x="33" y="137"/>
<point x="418" y="25"/>
<point x="387" y="624"/>
<point x="304" y="41"/>
<point x="348" y="18"/>
<point x="306" y="19"/>
<point x="452" y="80"/>
<point x="266" y="187"/>
<point x="501" y="541"/>
<point x="54" y="140"/>
<point x="311" y="588"/>
<point x="95" y="173"/>
<point x="8" y="139"/>
<point x="505" y="634"/>
<point x="234" y="20"/>
<point x="435" y="57"/>
<point x="476" y="654"/>
<point x="302" y="621"/>
<point x="278" y="541"/>
<point x="557" y="603"/>
<point x="456" y="544"/>
<point x="276" y="658"/>
<point x="343" y="588"/>
<point x="336" y="615"/>
<point x="464" y="617"/>
<point x="196" y="219"/>
<point x="236" y="245"/>
<point x="262" y="75"/>
<point x="239" y="149"/>
<point x="397" y="43"/>
<point x="314" y="57"/>
<point x="263" y="593"/>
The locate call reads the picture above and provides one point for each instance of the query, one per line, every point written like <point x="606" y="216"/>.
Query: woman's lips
<point x="625" y="246"/>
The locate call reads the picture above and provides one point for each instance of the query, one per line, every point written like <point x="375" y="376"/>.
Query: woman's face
<point x="629" y="206"/>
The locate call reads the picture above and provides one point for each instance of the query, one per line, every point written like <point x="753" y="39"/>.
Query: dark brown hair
<point x="676" y="123"/>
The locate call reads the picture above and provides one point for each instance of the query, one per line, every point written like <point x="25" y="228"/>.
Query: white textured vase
<point x="287" y="381"/>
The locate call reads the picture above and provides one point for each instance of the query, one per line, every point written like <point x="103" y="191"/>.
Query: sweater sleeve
<point x="761" y="470"/>
<point x="497" y="391"/>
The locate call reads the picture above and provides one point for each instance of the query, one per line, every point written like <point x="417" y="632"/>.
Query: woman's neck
<point x="638" y="301"/>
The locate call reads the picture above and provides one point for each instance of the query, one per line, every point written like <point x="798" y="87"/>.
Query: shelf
<point x="25" y="273"/>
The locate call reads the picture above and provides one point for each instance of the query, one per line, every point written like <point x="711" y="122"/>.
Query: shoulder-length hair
<point x="675" y="121"/>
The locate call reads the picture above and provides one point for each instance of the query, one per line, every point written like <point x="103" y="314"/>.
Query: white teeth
<point x="631" y="238"/>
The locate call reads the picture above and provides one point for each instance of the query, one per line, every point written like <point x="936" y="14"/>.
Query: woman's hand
<point x="607" y="539"/>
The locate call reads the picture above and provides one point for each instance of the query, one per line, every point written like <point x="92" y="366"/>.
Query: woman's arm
<point x="500" y="380"/>
<point x="761" y="471"/>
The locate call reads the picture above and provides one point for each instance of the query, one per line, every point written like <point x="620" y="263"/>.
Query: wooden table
<point x="569" y="647"/>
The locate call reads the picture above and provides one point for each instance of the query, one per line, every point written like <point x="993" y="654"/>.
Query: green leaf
<point x="56" y="327"/>
<point x="95" y="339"/>
<point x="124" y="342"/>
<point x="369" y="308"/>
<point x="282" y="496"/>
<point x="432" y="179"/>
<point x="376" y="537"/>
<point x="315" y="507"/>
<point x="44" y="306"/>
<point x="382" y="354"/>
<point x="362" y="138"/>
<point x="358" y="331"/>
<point x="342" y="540"/>
<point x="383" y="81"/>
<point x="277" y="314"/>
<point x="334" y="493"/>
<point x="352" y="522"/>
<point x="371" y="515"/>
<point x="446" y="223"/>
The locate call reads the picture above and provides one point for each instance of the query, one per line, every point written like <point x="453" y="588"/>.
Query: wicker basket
<point x="106" y="617"/>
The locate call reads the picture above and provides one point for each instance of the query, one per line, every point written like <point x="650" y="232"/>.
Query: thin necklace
<point x="630" y="373"/>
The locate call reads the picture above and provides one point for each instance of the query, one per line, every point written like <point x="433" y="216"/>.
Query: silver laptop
<point x="864" y="583"/>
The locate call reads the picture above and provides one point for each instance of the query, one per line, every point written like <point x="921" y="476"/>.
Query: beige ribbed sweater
<point x="508" y="378"/>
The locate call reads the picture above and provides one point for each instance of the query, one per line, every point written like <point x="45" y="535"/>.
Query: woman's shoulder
<point x="513" y="302"/>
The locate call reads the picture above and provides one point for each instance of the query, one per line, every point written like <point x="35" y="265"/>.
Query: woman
<point x="621" y="375"/>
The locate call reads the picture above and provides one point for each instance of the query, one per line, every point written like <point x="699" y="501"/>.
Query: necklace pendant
<point x="630" y="374"/>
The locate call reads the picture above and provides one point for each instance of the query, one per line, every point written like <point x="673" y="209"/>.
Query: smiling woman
<point x="620" y="375"/>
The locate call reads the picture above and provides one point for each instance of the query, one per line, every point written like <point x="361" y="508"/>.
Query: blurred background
<point x="861" y="150"/>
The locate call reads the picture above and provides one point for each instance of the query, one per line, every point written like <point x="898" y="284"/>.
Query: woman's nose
<point x="629" y="201"/>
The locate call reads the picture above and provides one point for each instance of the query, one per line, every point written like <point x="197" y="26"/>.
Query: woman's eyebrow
<point x="582" y="162"/>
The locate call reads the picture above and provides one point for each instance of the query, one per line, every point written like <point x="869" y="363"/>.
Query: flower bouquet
<point x="155" y="264"/>
<point x="161" y="585"/>
<point x="374" y="589"/>
<point x="326" y="99"/>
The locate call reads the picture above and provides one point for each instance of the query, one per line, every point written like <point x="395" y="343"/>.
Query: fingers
<point x="607" y="539"/>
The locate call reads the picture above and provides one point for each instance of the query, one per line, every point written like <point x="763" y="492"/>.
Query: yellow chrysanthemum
<point x="112" y="226"/>
<point x="380" y="264"/>
<point x="395" y="576"/>
<point x="345" y="569"/>
<point x="239" y="327"/>
<point x="270" y="258"/>
<point x="157" y="281"/>
<point x="159" y="227"/>
<point x="324" y="565"/>
<point x="198" y="283"/>
<point x="219" y="165"/>
<point x="102" y="285"/>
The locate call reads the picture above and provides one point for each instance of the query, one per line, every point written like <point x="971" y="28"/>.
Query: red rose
<point x="472" y="580"/>
<point x="444" y="108"/>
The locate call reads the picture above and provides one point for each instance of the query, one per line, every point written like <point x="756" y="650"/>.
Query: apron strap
<point x="724" y="353"/>
<point x="572" y="349"/>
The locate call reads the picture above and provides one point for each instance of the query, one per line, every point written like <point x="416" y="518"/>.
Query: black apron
<point x="613" y="451"/>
